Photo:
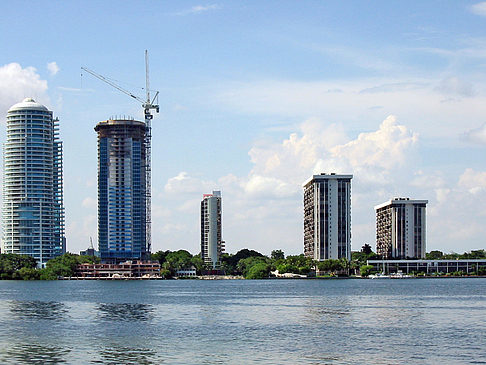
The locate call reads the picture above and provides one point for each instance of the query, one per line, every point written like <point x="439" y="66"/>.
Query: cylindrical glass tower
<point x="121" y="191"/>
<point x="33" y="212"/>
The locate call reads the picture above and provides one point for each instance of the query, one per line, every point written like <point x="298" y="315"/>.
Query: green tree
<point x="434" y="255"/>
<point x="28" y="273"/>
<point x="227" y="265"/>
<point x="159" y="256"/>
<point x="47" y="274"/>
<point x="474" y="254"/>
<point x="177" y="260"/>
<point x="366" y="270"/>
<point x="331" y="265"/>
<point x="229" y="262"/>
<point x="366" y="249"/>
<point x="11" y="263"/>
<point x="64" y="265"/>
<point x="245" y="264"/>
<point x="259" y="270"/>
<point x="198" y="263"/>
<point x="298" y="265"/>
<point x="277" y="255"/>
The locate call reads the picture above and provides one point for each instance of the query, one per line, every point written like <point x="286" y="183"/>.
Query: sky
<point x="256" y="97"/>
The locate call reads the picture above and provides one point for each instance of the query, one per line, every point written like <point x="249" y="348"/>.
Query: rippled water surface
<point x="414" y="321"/>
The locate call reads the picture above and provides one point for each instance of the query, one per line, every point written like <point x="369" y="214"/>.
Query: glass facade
<point x="33" y="212"/>
<point x="122" y="191"/>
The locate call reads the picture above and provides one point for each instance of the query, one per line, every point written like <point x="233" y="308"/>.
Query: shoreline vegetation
<point x="245" y="264"/>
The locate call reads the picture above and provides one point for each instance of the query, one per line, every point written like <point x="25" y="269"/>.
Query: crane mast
<point x="148" y="105"/>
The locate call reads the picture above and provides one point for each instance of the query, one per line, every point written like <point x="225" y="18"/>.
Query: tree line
<point x="248" y="263"/>
<point x="23" y="267"/>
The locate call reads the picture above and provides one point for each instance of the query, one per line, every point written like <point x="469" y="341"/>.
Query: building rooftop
<point x="28" y="104"/>
<point x="104" y="124"/>
<point x="398" y="201"/>
<point x="326" y="176"/>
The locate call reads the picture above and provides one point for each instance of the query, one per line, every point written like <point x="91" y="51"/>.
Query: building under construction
<point x="122" y="195"/>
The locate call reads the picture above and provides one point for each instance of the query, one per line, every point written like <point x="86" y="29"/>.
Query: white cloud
<point x="191" y="205"/>
<point x="197" y="9"/>
<point x="185" y="184"/>
<point x="477" y="135"/>
<point x="455" y="218"/>
<point x="326" y="148"/>
<point x="53" y="68"/>
<point x="90" y="203"/>
<point x="473" y="181"/>
<point x="479" y="8"/>
<point x="421" y="102"/>
<point x="269" y="198"/>
<point x="17" y="83"/>
<point x="456" y="86"/>
<point x="80" y="231"/>
<point x="373" y="154"/>
<point x="268" y="187"/>
<point x="427" y="180"/>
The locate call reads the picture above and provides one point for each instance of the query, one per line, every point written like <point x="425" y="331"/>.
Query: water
<point x="415" y="321"/>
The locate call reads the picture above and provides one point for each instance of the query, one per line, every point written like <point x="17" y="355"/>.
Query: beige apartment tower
<point x="401" y="229"/>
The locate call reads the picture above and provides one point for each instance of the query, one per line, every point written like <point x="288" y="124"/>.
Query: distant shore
<point x="236" y="277"/>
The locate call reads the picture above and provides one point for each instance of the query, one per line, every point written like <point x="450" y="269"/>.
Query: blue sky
<point x="255" y="97"/>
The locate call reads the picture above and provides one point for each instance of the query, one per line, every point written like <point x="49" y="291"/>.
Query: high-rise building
<point x="327" y="217"/>
<point x="400" y="228"/>
<point x="33" y="212"/>
<point x="122" y="191"/>
<point x="211" y="242"/>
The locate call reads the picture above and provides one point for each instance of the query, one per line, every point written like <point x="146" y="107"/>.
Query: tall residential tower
<point x="400" y="229"/>
<point x="327" y="217"/>
<point x="33" y="212"/>
<point x="211" y="243"/>
<point x="122" y="191"/>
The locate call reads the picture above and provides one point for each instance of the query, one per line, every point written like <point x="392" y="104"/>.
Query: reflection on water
<point x="38" y="310"/>
<point x="240" y="322"/>
<point x="127" y="355"/>
<point x="326" y="309"/>
<point x="125" y="311"/>
<point x="32" y="353"/>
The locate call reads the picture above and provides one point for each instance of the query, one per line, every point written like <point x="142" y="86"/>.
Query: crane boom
<point x="147" y="105"/>
<point x="109" y="82"/>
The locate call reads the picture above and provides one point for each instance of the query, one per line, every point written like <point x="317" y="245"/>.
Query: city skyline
<point x="256" y="97"/>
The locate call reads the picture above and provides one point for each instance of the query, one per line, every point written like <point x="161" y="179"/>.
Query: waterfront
<point x="244" y="321"/>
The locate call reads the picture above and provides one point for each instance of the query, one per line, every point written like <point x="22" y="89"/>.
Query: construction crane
<point x="148" y="105"/>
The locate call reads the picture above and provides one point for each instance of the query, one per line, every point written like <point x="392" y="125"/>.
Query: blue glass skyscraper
<point x="122" y="191"/>
<point x="33" y="212"/>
